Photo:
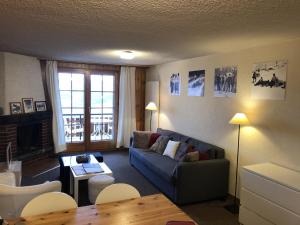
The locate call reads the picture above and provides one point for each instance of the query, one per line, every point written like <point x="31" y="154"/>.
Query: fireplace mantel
<point x="24" y="118"/>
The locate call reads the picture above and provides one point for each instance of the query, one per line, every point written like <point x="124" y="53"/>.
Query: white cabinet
<point x="270" y="194"/>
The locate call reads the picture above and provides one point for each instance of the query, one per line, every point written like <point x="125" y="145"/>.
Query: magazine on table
<point x="92" y="168"/>
<point x="78" y="170"/>
<point x="86" y="168"/>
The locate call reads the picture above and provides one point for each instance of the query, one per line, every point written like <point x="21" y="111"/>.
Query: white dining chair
<point x="117" y="192"/>
<point x="13" y="199"/>
<point x="48" y="202"/>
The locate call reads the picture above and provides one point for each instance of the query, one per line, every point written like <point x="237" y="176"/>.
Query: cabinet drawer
<point x="275" y="192"/>
<point x="247" y="217"/>
<point x="268" y="209"/>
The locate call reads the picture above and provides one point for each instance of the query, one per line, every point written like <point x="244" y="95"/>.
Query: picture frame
<point x="15" y="108"/>
<point x="268" y="80"/>
<point x="40" y="106"/>
<point x="225" y="84"/>
<point x="175" y="83"/>
<point x="196" y="83"/>
<point x="28" y="105"/>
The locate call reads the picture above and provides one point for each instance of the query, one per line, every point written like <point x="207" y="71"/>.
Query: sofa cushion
<point x="141" y="139"/>
<point x="153" y="138"/>
<point x="171" y="149"/>
<point x="174" y="136"/>
<point x="191" y="157"/>
<point x="163" y="166"/>
<point x="203" y="147"/>
<point x="160" y="145"/>
<point x="181" y="151"/>
<point x="195" y="155"/>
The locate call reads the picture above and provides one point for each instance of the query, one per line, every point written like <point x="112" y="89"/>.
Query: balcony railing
<point x="101" y="127"/>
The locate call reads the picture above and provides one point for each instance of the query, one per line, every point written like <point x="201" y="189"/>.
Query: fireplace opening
<point x="29" y="139"/>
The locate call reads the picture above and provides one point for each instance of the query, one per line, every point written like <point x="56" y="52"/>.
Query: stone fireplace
<point x="30" y="135"/>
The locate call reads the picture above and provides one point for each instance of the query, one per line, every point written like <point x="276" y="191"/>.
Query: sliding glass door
<point x="89" y="106"/>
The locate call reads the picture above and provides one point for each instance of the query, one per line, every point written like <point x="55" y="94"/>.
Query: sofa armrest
<point x="196" y="181"/>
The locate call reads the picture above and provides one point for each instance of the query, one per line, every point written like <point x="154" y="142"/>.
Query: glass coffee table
<point x="75" y="177"/>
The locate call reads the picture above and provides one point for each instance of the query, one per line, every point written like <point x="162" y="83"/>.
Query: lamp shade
<point x="151" y="106"/>
<point x="240" y="119"/>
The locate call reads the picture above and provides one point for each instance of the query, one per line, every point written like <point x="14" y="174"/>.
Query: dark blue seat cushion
<point x="163" y="166"/>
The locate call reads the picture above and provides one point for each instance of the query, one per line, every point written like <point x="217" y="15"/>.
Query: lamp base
<point x="233" y="208"/>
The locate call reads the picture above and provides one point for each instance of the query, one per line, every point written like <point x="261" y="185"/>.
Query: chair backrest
<point x="48" y="202"/>
<point x="13" y="199"/>
<point x="117" y="192"/>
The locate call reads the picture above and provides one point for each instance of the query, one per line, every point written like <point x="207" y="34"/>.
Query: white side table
<point x="8" y="178"/>
<point x="14" y="167"/>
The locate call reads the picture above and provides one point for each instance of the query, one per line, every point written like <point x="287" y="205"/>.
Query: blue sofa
<point x="184" y="182"/>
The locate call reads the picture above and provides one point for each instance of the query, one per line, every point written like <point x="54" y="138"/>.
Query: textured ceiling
<point x="158" y="30"/>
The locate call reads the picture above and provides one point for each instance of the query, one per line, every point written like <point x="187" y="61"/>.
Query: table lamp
<point x="152" y="107"/>
<point x="237" y="119"/>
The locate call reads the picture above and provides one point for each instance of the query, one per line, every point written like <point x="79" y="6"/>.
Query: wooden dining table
<point x="148" y="210"/>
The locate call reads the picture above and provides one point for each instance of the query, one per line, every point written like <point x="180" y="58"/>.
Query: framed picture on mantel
<point x="28" y="105"/>
<point x="15" y="108"/>
<point x="40" y="106"/>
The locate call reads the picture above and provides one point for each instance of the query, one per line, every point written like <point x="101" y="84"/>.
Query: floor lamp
<point x="152" y="107"/>
<point x="238" y="119"/>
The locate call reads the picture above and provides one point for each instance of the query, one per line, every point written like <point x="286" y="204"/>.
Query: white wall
<point x="22" y="79"/>
<point x="274" y="134"/>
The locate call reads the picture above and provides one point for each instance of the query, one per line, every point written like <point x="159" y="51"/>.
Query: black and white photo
<point x="196" y="83"/>
<point x="28" y="105"/>
<point x="15" y="108"/>
<point x="225" y="81"/>
<point x="268" y="80"/>
<point x="40" y="106"/>
<point x="175" y="84"/>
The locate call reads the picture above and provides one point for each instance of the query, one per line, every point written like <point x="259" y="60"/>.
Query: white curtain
<point x="54" y="94"/>
<point x="127" y="117"/>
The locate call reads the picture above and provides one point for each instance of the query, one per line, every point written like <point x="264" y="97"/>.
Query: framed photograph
<point x="268" y="80"/>
<point x="15" y="108"/>
<point x="175" y="84"/>
<point x="225" y="81"/>
<point x="196" y="83"/>
<point x="40" y="106"/>
<point x="28" y="105"/>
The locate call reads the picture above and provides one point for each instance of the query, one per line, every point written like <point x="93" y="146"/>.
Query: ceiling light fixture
<point x="127" y="55"/>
